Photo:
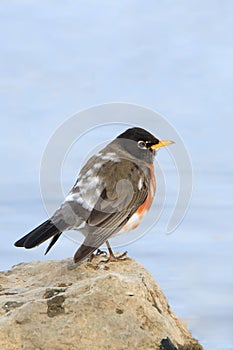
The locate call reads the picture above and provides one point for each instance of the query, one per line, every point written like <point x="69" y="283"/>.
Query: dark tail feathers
<point x="83" y="252"/>
<point x="39" y="235"/>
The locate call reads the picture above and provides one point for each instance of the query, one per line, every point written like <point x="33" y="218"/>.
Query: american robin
<point x="112" y="194"/>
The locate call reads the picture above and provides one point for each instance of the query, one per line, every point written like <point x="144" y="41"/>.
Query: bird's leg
<point x="112" y="257"/>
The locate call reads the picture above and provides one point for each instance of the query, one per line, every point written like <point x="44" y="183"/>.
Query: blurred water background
<point x="172" y="56"/>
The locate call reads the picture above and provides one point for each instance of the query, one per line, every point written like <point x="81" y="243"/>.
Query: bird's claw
<point x="98" y="253"/>
<point x="113" y="258"/>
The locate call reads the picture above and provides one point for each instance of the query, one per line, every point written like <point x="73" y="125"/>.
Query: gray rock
<point x="51" y="306"/>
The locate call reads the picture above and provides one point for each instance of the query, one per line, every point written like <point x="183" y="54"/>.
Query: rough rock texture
<point x="48" y="305"/>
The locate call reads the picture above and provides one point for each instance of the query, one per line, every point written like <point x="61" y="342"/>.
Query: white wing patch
<point x="76" y="197"/>
<point x="109" y="156"/>
<point x="89" y="173"/>
<point x="86" y="192"/>
<point x="88" y="187"/>
<point x="97" y="165"/>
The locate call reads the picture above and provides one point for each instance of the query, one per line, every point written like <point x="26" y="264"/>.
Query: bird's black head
<point x="140" y="143"/>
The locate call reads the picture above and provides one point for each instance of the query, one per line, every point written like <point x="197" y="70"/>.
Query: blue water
<point x="173" y="57"/>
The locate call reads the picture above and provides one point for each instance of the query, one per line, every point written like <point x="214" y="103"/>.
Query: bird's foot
<point x="115" y="258"/>
<point x="99" y="252"/>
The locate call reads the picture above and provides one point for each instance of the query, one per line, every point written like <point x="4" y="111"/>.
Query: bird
<point x="112" y="194"/>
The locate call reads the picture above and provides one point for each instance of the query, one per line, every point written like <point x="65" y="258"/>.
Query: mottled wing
<point x="125" y="190"/>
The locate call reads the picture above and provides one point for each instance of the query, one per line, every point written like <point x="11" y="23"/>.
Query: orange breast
<point x="147" y="204"/>
<point x="137" y="217"/>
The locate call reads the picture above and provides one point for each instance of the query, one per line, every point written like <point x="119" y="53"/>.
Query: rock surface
<point x="51" y="306"/>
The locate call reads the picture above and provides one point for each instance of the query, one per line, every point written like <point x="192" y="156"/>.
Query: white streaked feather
<point x="140" y="183"/>
<point x="110" y="156"/>
<point x="84" y="194"/>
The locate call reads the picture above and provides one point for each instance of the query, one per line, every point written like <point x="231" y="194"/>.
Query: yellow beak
<point x="162" y="143"/>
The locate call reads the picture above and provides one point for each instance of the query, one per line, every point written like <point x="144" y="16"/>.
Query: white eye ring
<point x="142" y="144"/>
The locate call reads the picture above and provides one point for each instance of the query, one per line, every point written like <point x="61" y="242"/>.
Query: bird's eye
<point x="142" y="145"/>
